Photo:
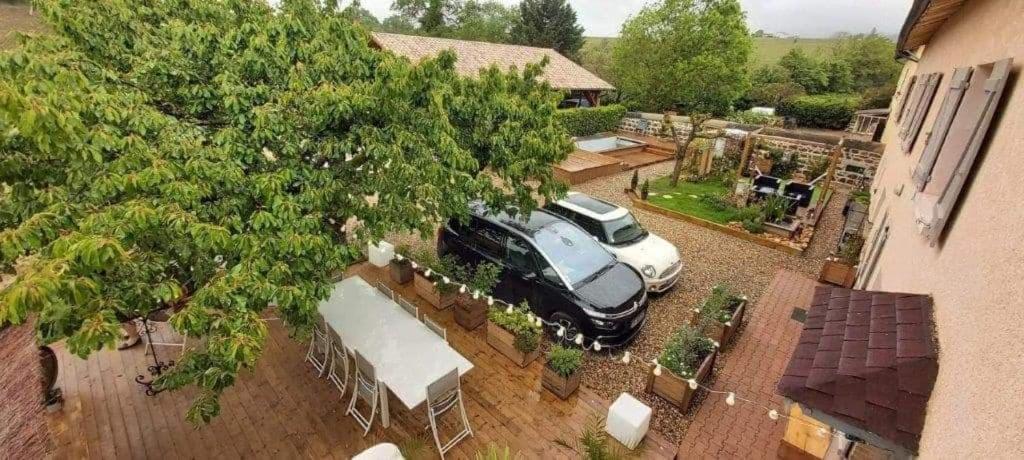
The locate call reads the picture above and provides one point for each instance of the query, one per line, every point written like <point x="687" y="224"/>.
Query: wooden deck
<point x="582" y="166"/>
<point x="281" y="409"/>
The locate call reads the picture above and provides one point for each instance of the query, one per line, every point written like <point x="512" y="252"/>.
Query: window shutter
<point x="950" y="104"/>
<point x="979" y="122"/>
<point x="871" y="252"/>
<point x="904" y="97"/>
<point x="919" y="112"/>
<point x="910" y="102"/>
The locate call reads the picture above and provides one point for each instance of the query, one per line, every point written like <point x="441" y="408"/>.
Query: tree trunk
<point x="681" y="152"/>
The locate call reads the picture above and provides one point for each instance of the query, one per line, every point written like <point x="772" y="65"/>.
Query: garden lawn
<point x="685" y="198"/>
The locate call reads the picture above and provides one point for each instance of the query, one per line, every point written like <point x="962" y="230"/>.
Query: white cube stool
<point x="628" y="420"/>
<point x="381" y="253"/>
<point x="385" y="451"/>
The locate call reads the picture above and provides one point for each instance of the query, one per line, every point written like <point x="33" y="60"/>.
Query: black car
<point x="564" y="274"/>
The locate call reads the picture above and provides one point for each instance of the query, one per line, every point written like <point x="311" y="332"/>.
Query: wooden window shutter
<point x="904" y="97"/>
<point x="937" y="137"/>
<point x="918" y="113"/>
<point x="917" y="85"/>
<point x="871" y="252"/>
<point x="976" y="128"/>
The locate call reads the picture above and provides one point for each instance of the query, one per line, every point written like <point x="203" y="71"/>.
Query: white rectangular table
<point x="405" y="354"/>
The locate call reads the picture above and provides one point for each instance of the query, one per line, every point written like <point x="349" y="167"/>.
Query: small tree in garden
<point x="206" y="156"/>
<point x="633" y="181"/>
<point x="686" y="55"/>
<point x="683" y="157"/>
<point x="645" y="189"/>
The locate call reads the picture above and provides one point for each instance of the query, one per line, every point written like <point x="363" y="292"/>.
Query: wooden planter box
<point x="838" y="273"/>
<point x="469" y="313"/>
<point x="783" y="229"/>
<point x="426" y="289"/>
<point x="673" y="388"/>
<point x="719" y="332"/>
<point x="560" y="386"/>
<point x="504" y="342"/>
<point x="401" y="271"/>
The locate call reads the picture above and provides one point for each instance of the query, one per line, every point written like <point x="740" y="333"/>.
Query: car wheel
<point x="571" y="327"/>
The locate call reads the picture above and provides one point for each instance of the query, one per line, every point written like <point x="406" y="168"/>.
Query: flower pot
<point x="401" y="271"/>
<point x="505" y="342"/>
<point x="675" y="389"/>
<point x="470" y="313"/>
<point x="426" y="289"/>
<point x="839" y="273"/>
<point x="722" y="332"/>
<point x="563" y="387"/>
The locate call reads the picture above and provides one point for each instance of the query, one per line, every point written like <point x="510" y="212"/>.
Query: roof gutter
<point x="916" y="12"/>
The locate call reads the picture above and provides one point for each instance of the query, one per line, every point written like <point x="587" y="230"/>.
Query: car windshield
<point x="623" y="230"/>
<point x="574" y="253"/>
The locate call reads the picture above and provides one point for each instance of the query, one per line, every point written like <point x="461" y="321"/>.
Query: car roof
<point x="591" y="207"/>
<point x="537" y="219"/>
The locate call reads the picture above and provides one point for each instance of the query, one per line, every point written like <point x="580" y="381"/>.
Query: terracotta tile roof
<point x="868" y="359"/>
<point x="560" y="73"/>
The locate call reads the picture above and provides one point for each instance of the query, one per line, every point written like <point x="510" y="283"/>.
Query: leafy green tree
<point x="549" y="24"/>
<point x="596" y="56"/>
<point x="207" y="156"/>
<point x="805" y="70"/>
<point x="688" y="55"/>
<point x="487" y="21"/>
<point x="399" y="24"/>
<point x="433" y="16"/>
<point x="870" y="59"/>
<point x="357" y="13"/>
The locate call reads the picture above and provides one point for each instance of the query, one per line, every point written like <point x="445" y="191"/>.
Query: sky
<point x="804" y="18"/>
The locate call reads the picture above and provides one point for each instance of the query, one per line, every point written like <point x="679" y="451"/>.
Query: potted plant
<point x="720" y="315"/>
<point x="561" y="374"/>
<point x="633" y="181"/>
<point x="471" y="306"/>
<point x="401" y="266"/>
<point x="687" y="359"/>
<point x="435" y="281"/>
<point x="645" y="189"/>
<point x="514" y="333"/>
<point x="841" y="269"/>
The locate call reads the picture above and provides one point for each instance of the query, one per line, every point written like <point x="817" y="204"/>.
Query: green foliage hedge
<point x="831" y="111"/>
<point x="587" y="121"/>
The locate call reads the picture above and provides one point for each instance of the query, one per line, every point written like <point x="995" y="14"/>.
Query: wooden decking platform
<point x="582" y="166"/>
<point x="281" y="409"/>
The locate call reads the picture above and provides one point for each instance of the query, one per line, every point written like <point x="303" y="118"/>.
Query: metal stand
<point x="157" y="368"/>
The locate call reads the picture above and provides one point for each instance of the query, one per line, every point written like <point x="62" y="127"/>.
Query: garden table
<point x="405" y="354"/>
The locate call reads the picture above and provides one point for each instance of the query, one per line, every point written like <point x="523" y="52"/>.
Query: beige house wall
<point x="976" y="274"/>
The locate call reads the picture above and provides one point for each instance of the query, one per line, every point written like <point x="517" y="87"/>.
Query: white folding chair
<point x="159" y="326"/>
<point x="319" y="346"/>
<point x="384" y="289"/>
<point x="365" y="389"/>
<point x="339" y="362"/>
<point x="443" y="395"/>
<point x="435" y="328"/>
<point x="412" y="309"/>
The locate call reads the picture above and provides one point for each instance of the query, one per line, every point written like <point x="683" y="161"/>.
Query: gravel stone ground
<point x="709" y="258"/>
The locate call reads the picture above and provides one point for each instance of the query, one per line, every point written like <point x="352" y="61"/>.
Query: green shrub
<point x="716" y="201"/>
<point x="718" y="306"/>
<point x="754" y="118"/>
<point x="774" y="208"/>
<point x="830" y="111"/>
<point x="752" y="212"/>
<point x="564" y="361"/>
<point x="645" y="190"/>
<point x="633" y="181"/>
<point x="755" y="226"/>
<point x="517" y="322"/>
<point x="484" y="278"/>
<point x="685" y="350"/>
<point x="818" y="168"/>
<point x="783" y="166"/>
<point x="849" y="252"/>
<point x="587" y="121"/>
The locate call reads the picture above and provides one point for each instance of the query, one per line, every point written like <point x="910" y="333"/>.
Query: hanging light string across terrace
<point x="626" y="358"/>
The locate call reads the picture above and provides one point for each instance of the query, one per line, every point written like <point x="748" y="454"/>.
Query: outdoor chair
<point x="443" y="395"/>
<point x="435" y="328"/>
<point x="412" y="309"/>
<point x="339" y="363"/>
<point x="800" y="193"/>
<point x="158" y="324"/>
<point x="365" y="389"/>
<point x="384" y="289"/>
<point x="319" y="346"/>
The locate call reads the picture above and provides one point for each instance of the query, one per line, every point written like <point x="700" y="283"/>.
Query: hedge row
<point x="587" y="121"/>
<point x="831" y="111"/>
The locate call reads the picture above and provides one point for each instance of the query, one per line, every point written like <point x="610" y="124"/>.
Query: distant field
<point x="766" y="50"/>
<point x="14" y="17"/>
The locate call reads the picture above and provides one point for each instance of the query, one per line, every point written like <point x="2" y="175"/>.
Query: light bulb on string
<point x="597" y="346"/>
<point x="462" y="289"/>
<point x="579" y="339"/>
<point x="490" y="301"/>
<point x="561" y="331"/>
<point x="428" y="272"/>
<point x="716" y="344"/>
<point x="414" y="265"/>
<point x="731" y="399"/>
<point x="625" y="358"/>
<point x="476" y="295"/>
<point x="657" y="368"/>
<point x="540" y="323"/>
<point x="399" y="257"/>
<point x="692" y="383"/>
<point x="529" y="317"/>
<point x="773" y="414"/>
<point x="509" y="309"/>
<point x="446" y="279"/>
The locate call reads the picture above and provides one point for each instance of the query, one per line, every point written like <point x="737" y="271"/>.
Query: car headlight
<point x="648" y="271"/>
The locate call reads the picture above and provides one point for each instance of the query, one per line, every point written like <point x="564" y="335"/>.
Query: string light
<point x="462" y="289"/>
<point x="627" y="357"/>
<point x="397" y="255"/>
<point x="445" y="279"/>
<point x="414" y="265"/>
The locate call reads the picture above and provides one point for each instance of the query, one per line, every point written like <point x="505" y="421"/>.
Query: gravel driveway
<point x="709" y="258"/>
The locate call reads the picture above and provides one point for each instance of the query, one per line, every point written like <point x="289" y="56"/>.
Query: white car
<point x="618" y="231"/>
